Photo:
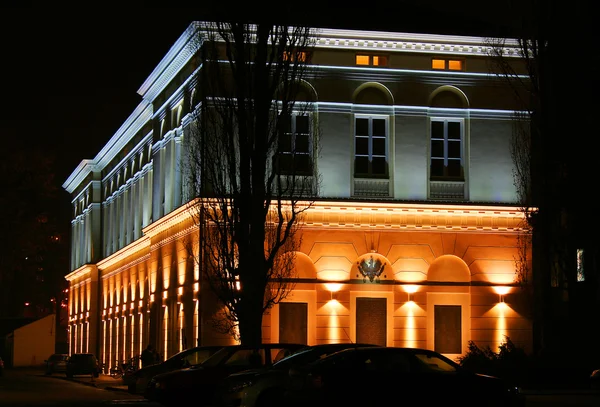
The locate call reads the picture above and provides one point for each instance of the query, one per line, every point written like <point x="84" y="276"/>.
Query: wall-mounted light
<point x="165" y="294"/>
<point x="501" y="291"/>
<point x="151" y="297"/>
<point x="333" y="289"/>
<point x="410" y="289"/>
<point x="196" y="287"/>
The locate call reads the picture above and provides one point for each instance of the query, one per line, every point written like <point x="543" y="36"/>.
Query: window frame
<point x="371" y="56"/>
<point x="370" y="155"/>
<point x="447" y="64"/>
<point x="293" y="133"/>
<point x="446" y="143"/>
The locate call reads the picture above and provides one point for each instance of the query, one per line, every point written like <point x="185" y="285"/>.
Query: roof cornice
<point x="180" y="54"/>
<point x="134" y="123"/>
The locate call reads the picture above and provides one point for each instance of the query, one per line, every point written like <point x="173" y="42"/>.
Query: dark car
<point x="57" y="362"/>
<point x="264" y="387"/>
<point x="200" y="382"/>
<point x="138" y="381"/>
<point x="82" y="364"/>
<point x="373" y="376"/>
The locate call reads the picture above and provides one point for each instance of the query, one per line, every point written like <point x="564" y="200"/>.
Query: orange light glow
<point x="379" y="60"/>
<point x="333" y="287"/>
<point x="455" y="65"/>
<point x="362" y="60"/>
<point x="438" y="64"/>
<point x="502" y="290"/>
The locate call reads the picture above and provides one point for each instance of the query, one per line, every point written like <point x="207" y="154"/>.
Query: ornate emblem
<point x="370" y="268"/>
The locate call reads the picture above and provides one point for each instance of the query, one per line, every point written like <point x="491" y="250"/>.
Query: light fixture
<point x="501" y="291"/>
<point x="410" y="289"/>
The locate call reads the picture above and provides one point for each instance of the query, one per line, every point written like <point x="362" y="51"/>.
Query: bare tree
<point x="549" y="169"/>
<point x="251" y="165"/>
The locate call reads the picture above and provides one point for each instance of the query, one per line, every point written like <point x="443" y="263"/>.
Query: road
<point x="31" y="388"/>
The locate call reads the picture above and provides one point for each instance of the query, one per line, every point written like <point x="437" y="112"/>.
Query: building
<point x="420" y="255"/>
<point x="31" y="343"/>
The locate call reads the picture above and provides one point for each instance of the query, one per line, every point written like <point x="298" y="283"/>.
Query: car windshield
<point x="300" y="358"/>
<point x="219" y="357"/>
<point x="54" y="358"/>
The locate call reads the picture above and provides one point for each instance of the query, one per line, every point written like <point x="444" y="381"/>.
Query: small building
<point x="30" y="344"/>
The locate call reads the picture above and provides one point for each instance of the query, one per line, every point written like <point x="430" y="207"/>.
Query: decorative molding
<point x="415" y="217"/>
<point x="409" y="42"/>
<point x="133" y="263"/>
<point x="178" y="56"/>
<point x="80" y="272"/>
<point x="171" y="219"/>
<point x="122" y="254"/>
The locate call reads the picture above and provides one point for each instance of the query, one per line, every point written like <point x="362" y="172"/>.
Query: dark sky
<point x="69" y="83"/>
<point x="70" y="78"/>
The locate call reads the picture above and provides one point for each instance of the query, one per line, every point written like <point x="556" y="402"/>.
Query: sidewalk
<point x="103" y="381"/>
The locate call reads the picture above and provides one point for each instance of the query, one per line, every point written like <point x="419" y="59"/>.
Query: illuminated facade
<point x="413" y="241"/>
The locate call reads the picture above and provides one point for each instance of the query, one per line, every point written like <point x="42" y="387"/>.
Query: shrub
<point x="509" y="362"/>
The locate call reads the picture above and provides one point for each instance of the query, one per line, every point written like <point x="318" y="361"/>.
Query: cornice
<point x="119" y="256"/>
<point x="82" y="271"/>
<point x="140" y="116"/>
<point x="136" y="261"/>
<point x="415" y="217"/>
<point x="171" y="219"/>
<point x="180" y="54"/>
<point x="410" y="42"/>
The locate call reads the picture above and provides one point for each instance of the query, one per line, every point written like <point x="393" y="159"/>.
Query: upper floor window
<point x="448" y="64"/>
<point x="370" y="147"/>
<point x="300" y="56"/>
<point x="447" y="149"/>
<point x="373" y="60"/>
<point x="295" y="146"/>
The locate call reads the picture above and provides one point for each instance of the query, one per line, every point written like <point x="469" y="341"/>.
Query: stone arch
<point x="449" y="268"/>
<point x="386" y="274"/>
<point x="372" y="93"/>
<point x="306" y="92"/>
<point x="449" y="97"/>
<point x="305" y="268"/>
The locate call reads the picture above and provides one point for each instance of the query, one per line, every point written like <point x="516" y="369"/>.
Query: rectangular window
<point x="445" y="64"/>
<point x="300" y="56"/>
<point x="370" y="147"/>
<point x="580" y="270"/>
<point x="295" y="146"/>
<point x="373" y="60"/>
<point x="446" y="150"/>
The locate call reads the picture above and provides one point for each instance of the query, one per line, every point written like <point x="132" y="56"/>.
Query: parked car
<point x="138" y="381"/>
<point x="264" y="387"/>
<point x="200" y="382"/>
<point x="82" y="364"/>
<point x="1" y="366"/>
<point x="375" y="375"/>
<point x="57" y="362"/>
